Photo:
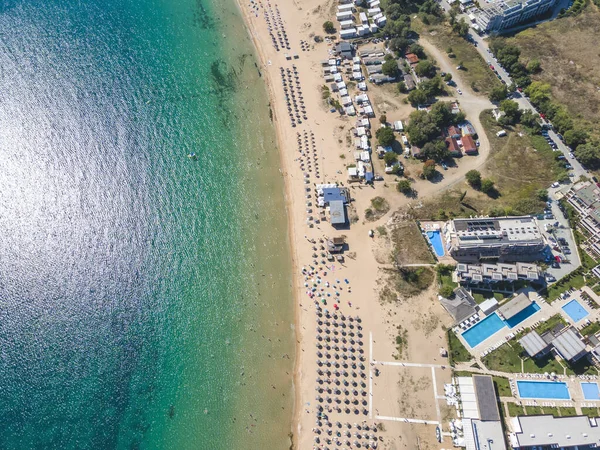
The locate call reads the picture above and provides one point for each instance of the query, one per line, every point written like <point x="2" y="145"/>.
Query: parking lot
<point x="569" y="261"/>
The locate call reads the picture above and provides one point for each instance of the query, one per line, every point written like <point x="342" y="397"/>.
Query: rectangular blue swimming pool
<point x="483" y="330"/>
<point x="544" y="389"/>
<point x="522" y="315"/>
<point x="435" y="238"/>
<point x="590" y="391"/>
<point x="575" y="311"/>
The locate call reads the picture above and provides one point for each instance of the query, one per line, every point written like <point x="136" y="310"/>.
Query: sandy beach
<point x="401" y="401"/>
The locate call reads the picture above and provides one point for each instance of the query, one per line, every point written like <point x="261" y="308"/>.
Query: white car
<point x="459" y="91"/>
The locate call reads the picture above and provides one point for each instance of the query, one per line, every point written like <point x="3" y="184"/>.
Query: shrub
<point x="473" y="178"/>
<point x="385" y="136"/>
<point x="487" y="186"/>
<point x="329" y="27"/>
<point x="404" y="186"/>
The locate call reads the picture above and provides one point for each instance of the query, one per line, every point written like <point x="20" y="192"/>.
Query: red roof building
<point x="469" y="146"/>
<point x="453" y="131"/>
<point x="412" y="58"/>
<point x="453" y="147"/>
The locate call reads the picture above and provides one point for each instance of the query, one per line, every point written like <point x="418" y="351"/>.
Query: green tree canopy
<point x="589" y="155"/>
<point x="425" y="68"/>
<point x="328" y="27"/>
<point x="498" y="93"/>
<point x="390" y="158"/>
<point x="474" y="178"/>
<point x="390" y="68"/>
<point x="435" y="150"/>
<point x="511" y="111"/>
<point x="404" y="186"/>
<point x="429" y="169"/>
<point x="385" y="136"/>
<point x="575" y="137"/>
<point x="487" y="186"/>
<point x="417" y="97"/>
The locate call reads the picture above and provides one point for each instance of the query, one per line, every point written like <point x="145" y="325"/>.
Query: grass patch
<point x="409" y="245"/>
<point x="409" y="281"/>
<point x="569" y="64"/>
<point x="567" y="411"/>
<point x="504" y="359"/>
<point x="590" y="412"/>
<point x="582" y="367"/>
<point x="551" y="410"/>
<point x="457" y="352"/>
<point x="533" y="410"/>
<point x="476" y="72"/>
<point x="550" y="323"/>
<point x="401" y="342"/>
<point x="502" y="386"/>
<point x="590" y="329"/>
<point x="515" y="410"/>
<point x="542" y="365"/>
<point x="379" y="207"/>
<point x="574" y="280"/>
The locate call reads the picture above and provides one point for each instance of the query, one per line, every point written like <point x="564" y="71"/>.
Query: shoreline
<point x="263" y="60"/>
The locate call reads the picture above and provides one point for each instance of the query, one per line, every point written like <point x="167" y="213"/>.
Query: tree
<point x="530" y="120"/>
<point x="447" y="77"/>
<point x="511" y="111"/>
<point x="383" y="119"/>
<point x="328" y="27"/>
<point x="436" y="150"/>
<point x="417" y="97"/>
<point x="461" y="27"/>
<point x="534" y="66"/>
<point x="404" y="186"/>
<point x="429" y="169"/>
<point x="417" y="50"/>
<point x="589" y="155"/>
<point x="432" y="87"/>
<point x="575" y="137"/>
<point x="425" y="68"/>
<point x="542" y="194"/>
<point x="498" y="93"/>
<point x="441" y="114"/>
<point x="390" y="68"/>
<point x="446" y="291"/>
<point x="398" y="44"/>
<point x="385" y="136"/>
<point x="390" y="158"/>
<point x="402" y="87"/>
<point x="474" y="178"/>
<point x="421" y="129"/>
<point x="449" y="50"/>
<point x="487" y="186"/>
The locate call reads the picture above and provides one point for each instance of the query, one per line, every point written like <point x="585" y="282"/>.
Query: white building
<point x="500" y="14"/>
<point x="344" y="8"/>
<point x="555" y="432"/>
<point x="348" y="33"/>
<point x="373" y="11"/>
<point x="344" y="15"/>
<point x="345" y="24"/>
<point x="363" y="18"/>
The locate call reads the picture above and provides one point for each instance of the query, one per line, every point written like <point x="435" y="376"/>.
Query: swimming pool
<point x="575" y="311"/>
<point x="493" y="323"/>
<point x="543" y="389"/>
<point x="522" y="315"/>
<point x="483" y="330"/>
<point x="435" y="238"/>
<point x="590" y="391"/>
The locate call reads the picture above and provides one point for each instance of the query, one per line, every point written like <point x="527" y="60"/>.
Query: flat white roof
<point x="556" y="431"/>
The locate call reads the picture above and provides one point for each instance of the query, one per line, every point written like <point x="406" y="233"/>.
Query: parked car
<point x="459" y="91"/>
<point x="444" y="166"/>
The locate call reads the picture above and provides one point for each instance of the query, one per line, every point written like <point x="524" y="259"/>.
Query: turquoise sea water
<point x="142" y="293"/>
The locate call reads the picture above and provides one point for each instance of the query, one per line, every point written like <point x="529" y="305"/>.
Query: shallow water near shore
<point x="146" y="296"/>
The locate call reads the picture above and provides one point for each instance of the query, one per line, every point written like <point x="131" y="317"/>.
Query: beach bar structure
<point x="337" y="213"/>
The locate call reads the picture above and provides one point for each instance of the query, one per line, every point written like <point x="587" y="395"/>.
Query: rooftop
<point x="533" y="343"/>
<point x="514" y="306"/>
<point x="486" y="398"/>
<point x="555" y="431"/>
<point x="568" y="344"/>
<point x="511" y="230"/>
<point x="337" y="212"/>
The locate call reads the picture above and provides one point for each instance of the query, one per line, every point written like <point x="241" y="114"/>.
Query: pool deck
<point x="547" y="310"/>
<point x="594" y="314"/>
<point x="429" y="225"/>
